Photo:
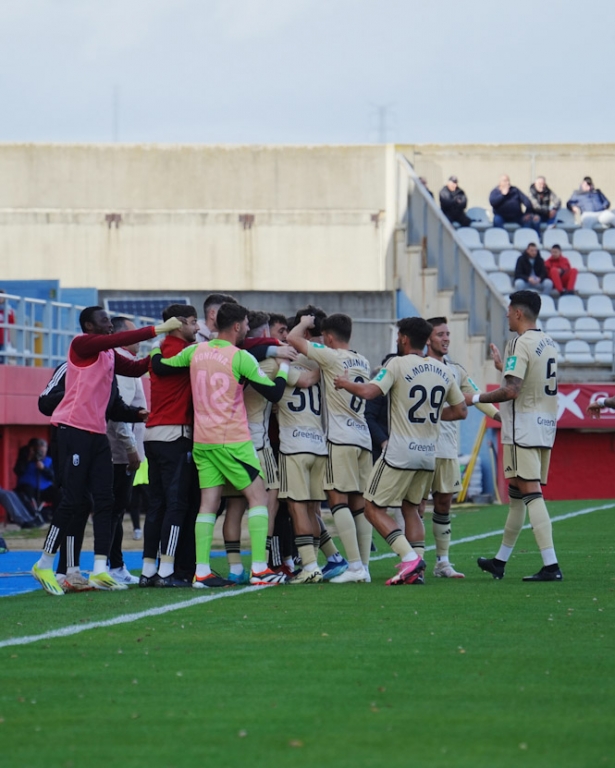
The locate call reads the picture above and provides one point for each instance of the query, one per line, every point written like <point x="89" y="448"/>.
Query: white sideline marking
<point x="130" y="617"/>
<point x="479" y="536"/>
<point x="126" y="618"/>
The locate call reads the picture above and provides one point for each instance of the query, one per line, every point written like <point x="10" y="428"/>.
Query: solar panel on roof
<point x="147" y="307"/>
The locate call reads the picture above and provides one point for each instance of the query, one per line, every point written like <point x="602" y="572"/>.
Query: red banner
<point x="572" y="402"/>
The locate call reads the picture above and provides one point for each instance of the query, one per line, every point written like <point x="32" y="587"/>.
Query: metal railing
<point x="43" y="331"/>
<point x="429" y="229"/>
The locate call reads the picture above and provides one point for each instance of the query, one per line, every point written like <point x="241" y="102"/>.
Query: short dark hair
<point x="179" y="310"/>
<point x="555" y="245"/>
<point x="416" y="329"/>
<point x="218" y="298"/>
<point x="529" y="245"/>
<point x="87" y="316"/>
<point x="119" y="322"/>
<point x="276" y="317"/>
<point x="528" y="301"/>
<point x="256" y="319"/>
<point x="339" y="325"/>
<point x="588" y="180"/>
<point x="230" y="313"/>
<point x="319" y="316"/>
<point x="437" y="321"/>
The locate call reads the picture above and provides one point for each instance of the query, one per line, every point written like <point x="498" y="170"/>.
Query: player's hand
<point x="593" y="411"/>
<point x="286" y="352"/>
<point x="172" y="324"/>
<point x="134" y="462"/>
<point x="341" y="381"/>
<point x="143" y="415"/>
<point x="468" y="398"/>
<point x="307" y="321"/>
<point x="496" y="356"/>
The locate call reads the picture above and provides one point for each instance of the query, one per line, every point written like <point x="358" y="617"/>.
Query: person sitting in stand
<point x="35" y="477"/>
<point x="545" y="203"/>
<point x="560" y="272"/>
<point x="453" y="202"/>
<point x="531" y="273"/>
<point x="508" y="205"/>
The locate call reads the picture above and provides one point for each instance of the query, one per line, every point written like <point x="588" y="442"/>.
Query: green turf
<point x="457" y="673"/>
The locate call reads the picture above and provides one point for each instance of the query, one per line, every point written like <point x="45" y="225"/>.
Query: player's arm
<point x="367" y="390"/>
<point x="593" y="409"/>
<point x="296" y="338"/>
<point x="508" y="391"/>
<point x="308" y="378"/>
<point x="131" y="368"/>
<point x="496" y="357"/>
<point x="245" y="366"/>
<point x="456" y="409"/>
<point x="167" y="366"/>
<point x="468" y="387"/>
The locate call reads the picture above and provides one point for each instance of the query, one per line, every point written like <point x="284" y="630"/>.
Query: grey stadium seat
<point x="469" y="237"/>
<point x="587" y="284"/>
<point x="571" y="306"/>
<point x="480" y="218"/>
<point x="585" y="240"/>
<point x="496" y="239"/>
<point x="508" y="261"/>
<point x="578" y="352"/>
<point x="484" y="259"/>
<point x="559" y="329"/>
<point x="588" y="329"/>
<point x="565" y="220"/>
<point x="523" y="237"/>
<point x="501" y="281"/>
<point x="608" y="240"/>
<point x="608" y="327"/>
<point x="576" y="260"/>
<point x="553" y="237"/>
<point x="598" y="306"/>
<point x="547" y="307"/>
<point x="603" y="351"/>
<point x="608" y="284"/>
<point x="600" y="262"/>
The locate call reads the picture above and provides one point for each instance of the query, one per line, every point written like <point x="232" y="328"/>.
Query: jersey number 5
<point x="551" y="387"/>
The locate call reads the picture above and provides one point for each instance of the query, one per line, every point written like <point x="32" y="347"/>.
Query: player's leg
<point x="441" y="527"/>
<point x="303" y="524"/>
<point x="231" y="531"/>
<point x="154" y="451"/>
<point x="122" y="489"/>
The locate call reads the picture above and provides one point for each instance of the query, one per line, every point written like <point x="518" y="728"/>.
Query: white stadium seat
<point x="588" y="329"/>
<point x="523" y="237"/>
<point x="587" y="284"/>
<point x="600" y="262"/>
<point x="585" y="240"/>
<point x="603" y="351"/>
<point x="484" y="259"/>
<point x="480" y="218"/>
<point x="599" y="306"/>
<point x="608" y="327"/>
<point x="469" y="237"/>
<point x="547" y="307"/>
<point x="608" y="240"/>
<point x="576" y="260"/>
<point x="571" y="306"/>
<point x="559" y="329"/>
<point x="578" y="352"/>
<point x="508" y="261"/>
<point x="501" y="281"/>
<point x="496" y="239"/>
<point x="553" y="237"/>
<point x="565" y="220"/>
<point x="608" y="284"/>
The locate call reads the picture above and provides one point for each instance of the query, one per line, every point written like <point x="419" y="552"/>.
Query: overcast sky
<point x="307" y="71"/>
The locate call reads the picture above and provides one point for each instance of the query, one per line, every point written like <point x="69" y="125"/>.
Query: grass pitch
<point x="471" y="672"/>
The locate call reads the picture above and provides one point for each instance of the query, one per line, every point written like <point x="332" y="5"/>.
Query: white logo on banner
<point x="567" y="402"/>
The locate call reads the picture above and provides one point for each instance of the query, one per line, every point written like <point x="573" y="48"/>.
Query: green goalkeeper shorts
<point x="235" y="463"/>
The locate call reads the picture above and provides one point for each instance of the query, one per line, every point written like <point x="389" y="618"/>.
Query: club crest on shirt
<point x="511" y="363"/>
<point x="76" y="459"/>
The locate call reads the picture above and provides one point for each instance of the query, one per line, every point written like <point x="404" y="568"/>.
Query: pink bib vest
<point x="87" y="394"/>
<point x="219" y="412"/>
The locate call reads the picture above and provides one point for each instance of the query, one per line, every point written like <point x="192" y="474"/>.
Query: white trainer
<point x="123" y="575"/>
<point x="445" y="570"/>
<point x="137" y="534"/>
<point x="307" y="577"/>
<point x="350" y="577"/>
<point x="74" y="582"/>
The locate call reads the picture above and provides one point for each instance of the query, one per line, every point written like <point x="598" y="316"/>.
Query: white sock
<point x="46" y="561"/>
<point x="410" y="557"/>
<point x="336" y="558"/>
<point x="355" y="565"/>
<point x="258" y="567"/>
<point x="100" y="564"/>
<point x="310" y="567"/>
<point x="442" y="558"/>
<point x="504" y="553"/>
<point x="165" y="569"/>
<point x="73" y="569"/>
<point x="548" y="556"/>
<point x="289" y="563"/>
<point x="237" y="569"/>
<point x="149" y="567"/>
<point x="202" y="569"/>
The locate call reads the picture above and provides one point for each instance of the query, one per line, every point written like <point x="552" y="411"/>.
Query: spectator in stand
<point x="531" y="273"/>
<point x="7" y="317"/>
<point x="423" y="181"/>
<point x="544" y="201"/>
<point x="591" y="205"/>
<point x="560" y="272"/>
<point x="453" y="202"/>
<point x="508" y="205"/>
<point x="35" y="477"/>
